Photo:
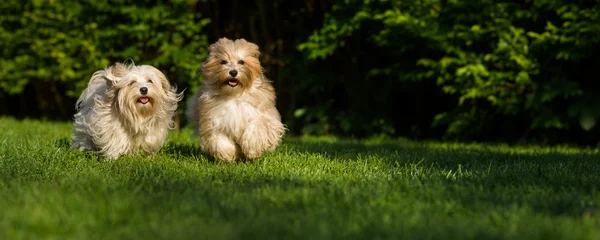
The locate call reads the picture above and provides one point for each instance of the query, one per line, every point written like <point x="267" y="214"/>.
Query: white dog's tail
<point x="192" y="111"/>
<point x="96" y="86"/>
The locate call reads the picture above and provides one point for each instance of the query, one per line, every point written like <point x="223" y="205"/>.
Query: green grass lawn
<point x="310" y="188"/>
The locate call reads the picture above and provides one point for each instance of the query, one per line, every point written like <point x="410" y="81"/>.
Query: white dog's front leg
<point x="81" y="140"/>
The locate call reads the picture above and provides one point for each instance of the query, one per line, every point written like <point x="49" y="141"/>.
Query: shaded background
<point x="510" y="71"/>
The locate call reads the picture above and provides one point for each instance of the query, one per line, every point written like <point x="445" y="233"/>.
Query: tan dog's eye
<point x="223" y="62"/>
<point x="241" y="62"/>
<point x="150" y="80"/>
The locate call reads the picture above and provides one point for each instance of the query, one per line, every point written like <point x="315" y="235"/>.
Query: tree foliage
<point x="468" y="70"/>
<point x="528" y="60"/>
<point x="64" y="42"/>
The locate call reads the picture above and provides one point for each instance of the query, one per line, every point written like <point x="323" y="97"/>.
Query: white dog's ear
<point x="119" y="70"/>
<point x="164" y="81"/>
<point x="109" y="77"/>
<point x="109" y="82"/>
<point x="113" y="73"/>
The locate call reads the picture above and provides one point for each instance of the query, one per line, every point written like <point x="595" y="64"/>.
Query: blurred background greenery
<point x="484" y="70"/>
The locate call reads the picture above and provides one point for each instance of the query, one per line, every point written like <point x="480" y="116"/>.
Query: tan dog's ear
<point x="223" y="41"/>
<point x="211" y="51"/>
<point x="212" y="48"/>
<point x="255" y="52"/>
<point x="251" y="48"/>
<point x="200" y="68"/>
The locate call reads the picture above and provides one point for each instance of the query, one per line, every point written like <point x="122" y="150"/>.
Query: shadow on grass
<point x="187" y="149"/>
<point x="550" y="183"/>
<point x="194" y="151"/>
<point x="343" y="150"/>
<point x="487" y="166"/>
<point x="65" y="144"/>
<point x="566" y="174"/>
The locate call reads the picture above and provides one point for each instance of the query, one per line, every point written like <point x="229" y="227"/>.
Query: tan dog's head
<point x="139" y="90"/>
<point x="232" y="66"/>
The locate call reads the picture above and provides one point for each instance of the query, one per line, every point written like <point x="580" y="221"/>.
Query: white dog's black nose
<point x="144" y="90"/>
<point x="233" y="73"/>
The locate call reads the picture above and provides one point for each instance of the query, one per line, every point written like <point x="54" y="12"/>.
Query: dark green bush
<point x="467" y="70"/>
<point x="527" y="65"/>
<point x="59" y="44"/>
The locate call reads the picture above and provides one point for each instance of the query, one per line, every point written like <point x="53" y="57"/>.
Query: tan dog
<point x="125" y="109"/>
<point x="235" y="108"/>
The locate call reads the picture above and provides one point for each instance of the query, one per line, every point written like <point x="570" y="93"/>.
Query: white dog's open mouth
<point x="232" y="82"/>
<point x="144" y="100"/>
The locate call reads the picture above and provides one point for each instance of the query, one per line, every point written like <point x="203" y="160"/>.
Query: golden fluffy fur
<point x="234" y="111"/>
<point x="124" y="110"/>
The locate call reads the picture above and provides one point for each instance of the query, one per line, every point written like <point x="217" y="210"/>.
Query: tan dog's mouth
<point x="232" y="82"/>
<point x="144" y="100"/>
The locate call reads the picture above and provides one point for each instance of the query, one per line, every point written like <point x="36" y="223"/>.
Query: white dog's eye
<point x="223" y="62"/>
<point x="150" y="80"/>
<point x="241" y="62"/>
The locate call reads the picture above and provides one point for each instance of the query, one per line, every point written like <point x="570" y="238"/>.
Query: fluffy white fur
<point x="235" y="113"/>
<point x="115" y="116"/>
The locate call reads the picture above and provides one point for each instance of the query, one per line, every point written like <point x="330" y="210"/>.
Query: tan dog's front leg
<point x="262" y="135"/>
<point x="220" y="146"/>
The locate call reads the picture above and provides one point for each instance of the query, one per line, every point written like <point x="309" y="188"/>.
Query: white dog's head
<point x="141" y="93"/>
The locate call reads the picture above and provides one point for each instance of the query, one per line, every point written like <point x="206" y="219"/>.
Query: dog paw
<point x="221" y="147"/>
<point x="82" y="146"/>
<point x="252" y="154"/>
<point x="225" y="156"/>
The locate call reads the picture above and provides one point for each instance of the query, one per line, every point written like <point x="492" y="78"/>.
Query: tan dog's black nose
<point x="233" y="73"/>
<point x="144" y="90"/>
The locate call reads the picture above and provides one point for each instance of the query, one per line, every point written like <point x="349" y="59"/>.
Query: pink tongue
<point x="143" y="99"/>
<point x="233" y="83"/>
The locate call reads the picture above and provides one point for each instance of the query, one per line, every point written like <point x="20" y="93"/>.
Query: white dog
<point x="124" y="110"/>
